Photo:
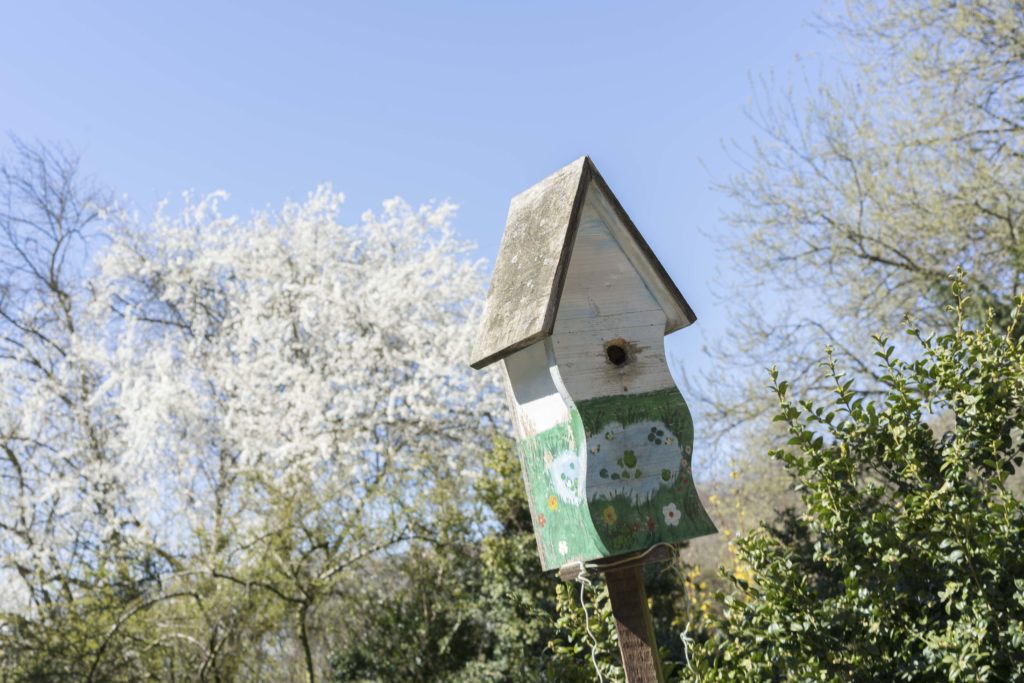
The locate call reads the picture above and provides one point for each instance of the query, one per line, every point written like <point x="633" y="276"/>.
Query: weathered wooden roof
<point x="534" y="257"/>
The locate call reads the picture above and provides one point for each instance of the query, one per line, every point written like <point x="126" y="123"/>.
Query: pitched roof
<point x="533" y="260"/>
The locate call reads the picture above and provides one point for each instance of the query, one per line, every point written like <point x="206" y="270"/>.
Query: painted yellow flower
<point x="553" y="503"/>
<point x="609" y="515"/>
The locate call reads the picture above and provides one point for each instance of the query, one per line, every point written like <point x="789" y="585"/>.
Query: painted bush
<point x="633" y="461"/>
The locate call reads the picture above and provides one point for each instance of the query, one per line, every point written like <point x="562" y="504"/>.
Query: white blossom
<point x="229" y="380"/>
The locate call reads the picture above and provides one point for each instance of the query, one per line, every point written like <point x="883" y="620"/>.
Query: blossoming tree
<point x="250" y="408"/>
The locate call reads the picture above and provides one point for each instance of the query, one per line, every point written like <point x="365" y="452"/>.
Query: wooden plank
<point x="592" y="375"/>
<point x="678" y="311"/>
<point x="659" y="553"/>
<point x="593" y="385"/>
<point x="594" y="340"/>
<point x="637" y="317"/>
<point x="530" y="269"/>
<point x="633" y="623"/>
<point x="601" y="280"/>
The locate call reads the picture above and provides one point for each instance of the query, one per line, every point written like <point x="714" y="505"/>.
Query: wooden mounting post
<point x="625" y="578"/>
<point x="633" y="623"/>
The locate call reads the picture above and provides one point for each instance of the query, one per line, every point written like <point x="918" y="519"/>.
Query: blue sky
<point x="470" y="102"/>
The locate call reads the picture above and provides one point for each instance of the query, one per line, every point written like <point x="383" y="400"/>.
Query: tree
<point x="467" y="604"/>
<point x="851" y="209"/>
<point x="471" y="607"/>
<point x="905" y="562"/>
<point x="863" y="188"/>
<point x="208" y="435"/>
<point x="310" y="379"/>
<point x="64" y="530"/>
<point x="48" y="210"/>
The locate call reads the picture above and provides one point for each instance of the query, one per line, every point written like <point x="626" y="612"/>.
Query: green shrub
<point x="906" y="561"/>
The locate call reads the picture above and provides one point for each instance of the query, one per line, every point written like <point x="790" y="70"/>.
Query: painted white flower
<point x="671" y="513"/>
<point x="563" y="547"/>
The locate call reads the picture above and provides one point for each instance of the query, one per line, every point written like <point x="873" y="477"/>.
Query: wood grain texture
<point x="606" y="301"/>
<point x="678" y="313"/>
<point x="528" y="274"/>
<point x="633" y="624"/>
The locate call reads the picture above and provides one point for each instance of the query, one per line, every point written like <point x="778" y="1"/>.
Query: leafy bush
<point x="905" y="562"/>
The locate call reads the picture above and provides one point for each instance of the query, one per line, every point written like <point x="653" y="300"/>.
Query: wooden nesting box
<point x="577" y="313"/>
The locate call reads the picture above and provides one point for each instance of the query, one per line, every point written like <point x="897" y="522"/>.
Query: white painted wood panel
<point x="601" y="206"/>
<point x="630" y="319"/>
<point x="601" y="280"/>
<point x="582" y="342"/>
<point x="606" y="299"/>
<point x="532" y="386"/>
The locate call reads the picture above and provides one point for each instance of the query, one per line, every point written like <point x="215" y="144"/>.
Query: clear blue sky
<point x="471" y="102"/>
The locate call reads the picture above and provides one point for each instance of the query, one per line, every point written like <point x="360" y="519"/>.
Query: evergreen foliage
<point x="905" y="562"/>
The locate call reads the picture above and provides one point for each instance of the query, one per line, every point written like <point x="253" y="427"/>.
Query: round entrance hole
<point x="616" y="354"/>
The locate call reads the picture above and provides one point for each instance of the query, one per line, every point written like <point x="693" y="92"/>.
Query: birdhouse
<point x="576" y="314"/>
